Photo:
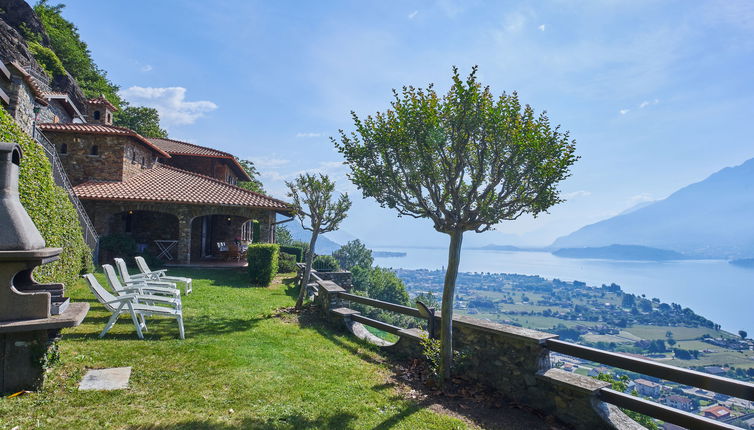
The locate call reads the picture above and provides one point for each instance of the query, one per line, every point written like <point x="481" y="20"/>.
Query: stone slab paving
<point x="115" y="378"/>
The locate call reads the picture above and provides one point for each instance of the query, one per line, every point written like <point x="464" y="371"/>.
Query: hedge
<point x="263" y="262"/>
<point x="287" y="263"/>
<point x="296" y="251"/>
<point x="325" y="263"/>
<point x="49" y="207"/>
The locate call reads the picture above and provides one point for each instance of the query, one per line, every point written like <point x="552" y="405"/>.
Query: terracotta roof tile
<point x="172" y="185"/>
<point x="110" y="130"/>
<point x="101" y="100"/>
<point x="36" y="89"/>
<point x="177" y="147"/>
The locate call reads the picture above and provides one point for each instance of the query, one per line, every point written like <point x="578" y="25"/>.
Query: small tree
<point x="466" y="161"/>
<point x="743" y="334"/>
<point x="353" y="253"/>
<point x="313" y="200"/>
<point x="283" y="236"/>
<point x="255" y="184"/>
<point x="143" y="120"/>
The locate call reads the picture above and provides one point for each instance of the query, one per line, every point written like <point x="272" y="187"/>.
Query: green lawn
<point x="241" y="366"/>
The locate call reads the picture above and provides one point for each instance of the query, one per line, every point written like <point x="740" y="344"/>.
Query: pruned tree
<point x="313" y="200"/>
<point x="466" y="161"/>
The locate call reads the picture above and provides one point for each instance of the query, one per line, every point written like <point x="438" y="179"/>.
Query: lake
<point x="714" y="289"/>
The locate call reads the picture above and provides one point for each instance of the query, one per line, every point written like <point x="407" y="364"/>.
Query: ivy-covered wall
<point x="49" y="208"/>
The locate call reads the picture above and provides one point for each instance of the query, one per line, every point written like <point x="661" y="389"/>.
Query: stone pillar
<point x="265" y="226"/>
<point x="183" y="249"/>
<point x="21" y="354"/>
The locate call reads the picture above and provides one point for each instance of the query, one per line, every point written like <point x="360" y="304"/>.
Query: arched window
<point x="96" y="115"/>
<point x="64" y="148"/>
<point x="94" y="150"/>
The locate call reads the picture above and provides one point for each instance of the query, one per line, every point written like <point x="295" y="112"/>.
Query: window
<point x="247" y="231"/>
<point x="143" y="162"/>
<point x="109" y="118"/>
<point x="64" y="148"/>
<point x="96" y="115"/>
<point x="94" y="150"/>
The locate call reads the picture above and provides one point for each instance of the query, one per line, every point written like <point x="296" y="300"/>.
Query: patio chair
<point x="140" y="278"/>
<point x="131" y="304"/>
<point x="139" y="288"/>
<point x="159" y="275"/>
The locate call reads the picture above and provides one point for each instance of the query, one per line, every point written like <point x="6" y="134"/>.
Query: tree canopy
<point x="141" y="119"/>
<point x="466" y="161"/>
<point x="255" y="184"/>
<point x="353" y="253"/>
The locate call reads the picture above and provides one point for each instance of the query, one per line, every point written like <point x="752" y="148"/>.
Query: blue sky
<point x="657" y="94"/>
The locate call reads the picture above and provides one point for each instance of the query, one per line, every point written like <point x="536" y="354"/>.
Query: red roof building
<point x="716" y="412"/>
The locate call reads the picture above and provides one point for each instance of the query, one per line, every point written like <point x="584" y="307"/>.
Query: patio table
<point x="166" y="246"/>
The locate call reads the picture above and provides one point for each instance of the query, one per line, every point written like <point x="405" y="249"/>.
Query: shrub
<point x="117" y="245"/>
<point x="325" y="263"/>
<point x="47" y="59"/>
<point x="296" y="251"/>
<point x="263" y="262"/>
<point x="49" y="207"/>
<point x="287" y="263"/>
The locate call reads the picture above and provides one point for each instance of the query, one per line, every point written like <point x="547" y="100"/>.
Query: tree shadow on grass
<point x="291" y="287"/>
<point x="196" y="326"/>
<point x="336" y="421"/>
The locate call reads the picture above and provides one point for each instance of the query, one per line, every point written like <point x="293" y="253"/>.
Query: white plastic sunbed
<point x="159" y="275"/>
<point x="140" y="288"/>
<point x="133" y="305"/>
<point x="140" y="278"/>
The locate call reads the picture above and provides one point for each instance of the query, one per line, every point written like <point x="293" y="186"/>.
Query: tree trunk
<point x="307" y="270"/>
<point x="448" y="296"/>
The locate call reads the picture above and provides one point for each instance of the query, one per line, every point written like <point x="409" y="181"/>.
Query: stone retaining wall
<point x="511" y="360"/>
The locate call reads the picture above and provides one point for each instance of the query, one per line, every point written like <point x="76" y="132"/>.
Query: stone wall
<point x="511" y="360"/>
<point x="22" y="103"/>
<point x="78" y="161"/>
<point x="136" y="158"/>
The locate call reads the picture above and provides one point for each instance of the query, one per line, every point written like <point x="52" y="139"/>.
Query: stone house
<point x="647" y="388"/>
<point x="680" y="402"/>
<point x="131" y="185"/>
<point x="177" y="200"/>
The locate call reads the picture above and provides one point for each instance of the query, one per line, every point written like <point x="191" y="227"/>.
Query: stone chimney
<point x="100" y="111"/>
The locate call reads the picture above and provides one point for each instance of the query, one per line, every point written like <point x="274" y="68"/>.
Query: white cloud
<point x="146" y="68"/>
<point x="514" y="22"/>
<point x="308" y="134"/>
<point x="413" y="14"/>
<point x="269" y="162"/>
<point x="624" y="111"/>
<point x="640" y="198"/>
<point x="574" y="194"/>
<point x="646" y="103"/>
<point x="170" y="102"/>
<point x="541" y="27"/>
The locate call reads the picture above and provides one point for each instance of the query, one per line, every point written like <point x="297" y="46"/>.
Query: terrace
<point x="244" y="364"/>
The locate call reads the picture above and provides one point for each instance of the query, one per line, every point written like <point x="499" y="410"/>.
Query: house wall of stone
<point x="22" y="102"/>
<point x="136" y="158"/>
<point x="54" y="112"/>
<point x="78" y="162"/>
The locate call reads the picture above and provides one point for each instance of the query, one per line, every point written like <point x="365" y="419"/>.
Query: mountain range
<point x="713" y="218"/>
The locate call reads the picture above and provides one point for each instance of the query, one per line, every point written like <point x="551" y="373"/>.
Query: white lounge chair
<point x="132" y="304"/>
<point x="159" y="275"/>
<point x="139" y="278"/>
<point x="140" y="288"/>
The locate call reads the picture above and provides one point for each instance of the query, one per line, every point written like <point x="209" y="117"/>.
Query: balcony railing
<point x="731" y="387"/>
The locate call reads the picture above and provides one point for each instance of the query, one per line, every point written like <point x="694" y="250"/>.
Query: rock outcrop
<point x="17" y="18"/>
